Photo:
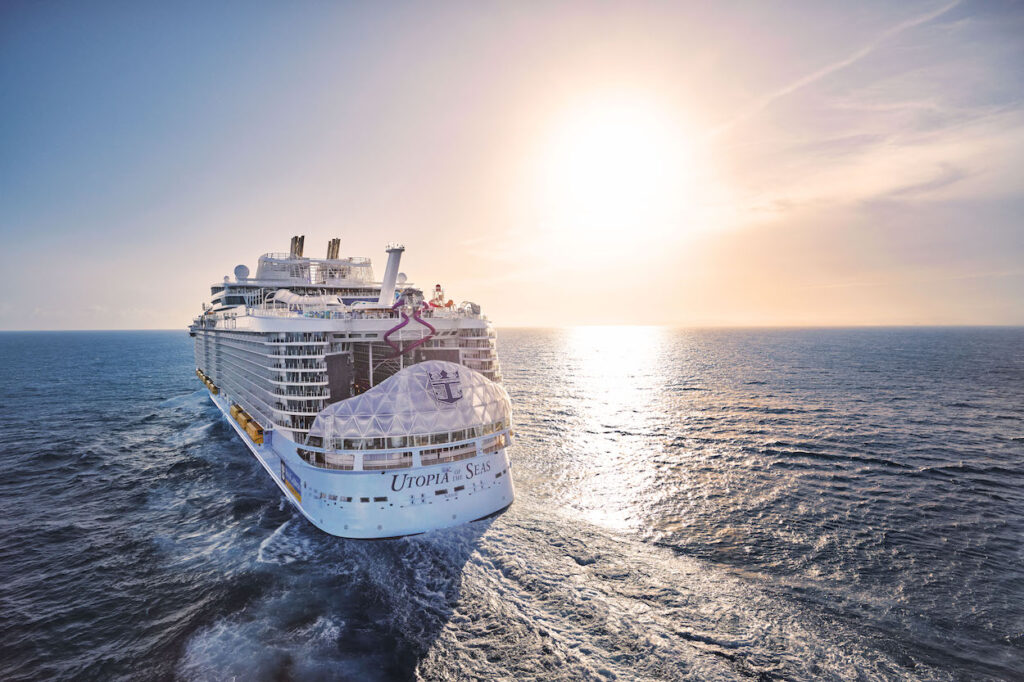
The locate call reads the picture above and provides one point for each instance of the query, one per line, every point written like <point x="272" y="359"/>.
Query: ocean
<point x="691" y="504"/>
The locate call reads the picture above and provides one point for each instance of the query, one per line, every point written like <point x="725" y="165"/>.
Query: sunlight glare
<point x="615" y="164"/>
<point x="616" y="373"/>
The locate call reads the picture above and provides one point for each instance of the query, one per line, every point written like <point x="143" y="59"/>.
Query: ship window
<point x="364" y="499"/>
<point x="451" y="453"/>
<point x="380" y="499"/>
<point x="442" y="491"/>
<point x="387" y="460"/>
<point x="494" y="444"/>
<point x="459" y="487"/>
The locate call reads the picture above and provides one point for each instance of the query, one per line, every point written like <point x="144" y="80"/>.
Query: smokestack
<point x="387" y="286"/>
<point x="300" y="243"/>
<point x="333" y="247"/>
<point x="291" y="247"/>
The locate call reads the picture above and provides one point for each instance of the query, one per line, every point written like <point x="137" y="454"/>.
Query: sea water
<point x="691" y="504"/>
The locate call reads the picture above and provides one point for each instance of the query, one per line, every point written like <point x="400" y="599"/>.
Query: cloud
<point x="976" y="159"/>
<point x="948" y="175"/>
<point x="763" y="102"/>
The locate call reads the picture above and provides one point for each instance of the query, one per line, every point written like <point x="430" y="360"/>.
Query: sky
<point x="704" y="164"/>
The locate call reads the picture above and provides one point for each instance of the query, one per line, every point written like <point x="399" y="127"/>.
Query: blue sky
<point x="571" y="163"/>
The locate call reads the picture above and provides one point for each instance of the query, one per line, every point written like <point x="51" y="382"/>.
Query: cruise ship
<point x="378" y="412"/>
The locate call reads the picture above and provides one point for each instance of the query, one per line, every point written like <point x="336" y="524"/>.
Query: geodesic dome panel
<point x="428" y="397"/>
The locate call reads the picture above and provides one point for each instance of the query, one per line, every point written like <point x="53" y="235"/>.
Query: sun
<point x="614" y="164"/>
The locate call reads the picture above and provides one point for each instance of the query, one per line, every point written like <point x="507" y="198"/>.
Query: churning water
<point x="812" y="504"/>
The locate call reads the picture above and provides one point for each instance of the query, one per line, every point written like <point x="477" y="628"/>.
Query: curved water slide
<point x="406" y="320"/>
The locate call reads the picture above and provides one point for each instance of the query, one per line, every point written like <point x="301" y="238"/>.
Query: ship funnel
<point x="301" y="243"/>
<point x="387" y="286"/>
<point x="332" y="248"/>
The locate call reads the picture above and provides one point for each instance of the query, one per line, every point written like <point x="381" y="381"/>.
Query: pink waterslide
<point x="405" y="320"/>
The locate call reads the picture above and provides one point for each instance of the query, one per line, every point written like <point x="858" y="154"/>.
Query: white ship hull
<point x="415" y="507"/>
<point x="377" y="413"/>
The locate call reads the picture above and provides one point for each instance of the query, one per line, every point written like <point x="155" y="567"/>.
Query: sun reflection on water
<point x="613" y="378"/>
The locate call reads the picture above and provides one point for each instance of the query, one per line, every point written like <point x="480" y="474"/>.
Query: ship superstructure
<point x="378" y="412"/>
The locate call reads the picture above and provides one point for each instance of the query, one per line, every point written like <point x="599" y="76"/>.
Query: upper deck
<point x="350" y="278"/>
<point x="285" y="269"/>
<point x="307" y="332"/>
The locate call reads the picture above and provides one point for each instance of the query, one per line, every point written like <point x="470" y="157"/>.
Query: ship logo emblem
<point x="445" y="386"/>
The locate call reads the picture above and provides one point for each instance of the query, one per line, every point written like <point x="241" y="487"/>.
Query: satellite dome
<point x="402" y="278"/>
<point x="241" y="272"/>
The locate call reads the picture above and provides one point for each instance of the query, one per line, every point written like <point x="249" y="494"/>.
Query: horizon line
<point x="576" y="326"/>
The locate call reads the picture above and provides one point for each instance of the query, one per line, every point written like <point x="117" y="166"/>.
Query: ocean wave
<point x="842" y="520"/>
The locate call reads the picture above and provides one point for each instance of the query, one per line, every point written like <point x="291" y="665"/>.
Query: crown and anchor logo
<point x="445" y="386"/>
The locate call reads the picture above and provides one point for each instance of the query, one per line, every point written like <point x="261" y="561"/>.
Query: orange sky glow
<point x="560" y="164"/>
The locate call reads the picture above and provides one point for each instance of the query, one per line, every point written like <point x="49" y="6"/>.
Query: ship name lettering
<point x="477" y="469"/>
<point x="407" y="481"/>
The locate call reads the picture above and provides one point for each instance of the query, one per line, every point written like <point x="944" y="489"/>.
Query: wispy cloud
<point x="891" y="278"/>
<point x="947" y="175"/>
<point x="764" y="101"/>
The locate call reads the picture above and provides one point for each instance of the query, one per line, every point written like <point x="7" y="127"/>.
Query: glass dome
<point x="428" y="397"/>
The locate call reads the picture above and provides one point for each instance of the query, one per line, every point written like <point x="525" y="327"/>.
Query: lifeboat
<point x="250" y="425"/>
<point x="255" y="432"/>
<point x="212" y="387"/>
